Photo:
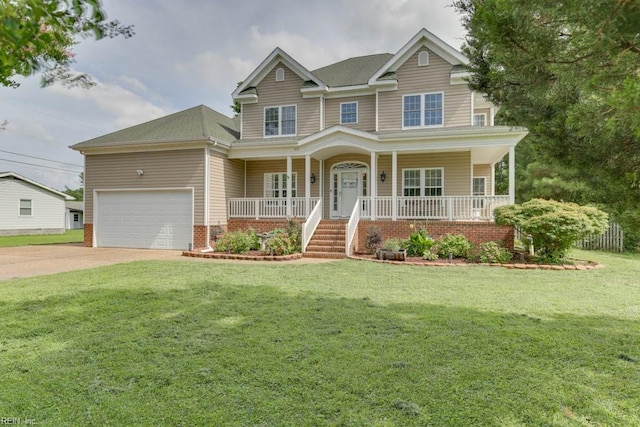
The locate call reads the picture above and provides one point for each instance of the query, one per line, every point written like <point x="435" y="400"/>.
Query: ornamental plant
<point x="553" y="226"/>
<point x="457" y="245"/>
<point x="237" y="242"/>
<point x="418" y="243"/>
<point x="490" y="252"/>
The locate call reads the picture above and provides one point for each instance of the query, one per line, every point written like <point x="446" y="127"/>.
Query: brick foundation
<point x="200" y="236"/>
<point x="88" y="235"/>
<point x="476" y="231"/>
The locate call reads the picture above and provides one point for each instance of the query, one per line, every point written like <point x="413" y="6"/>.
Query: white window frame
<point x="280" y="75"/>
<point x="478" y="204"/>
<point x="280" y="187"/>
<point x="279" y="107"/>
<point x="422" y="111"/>
<point x="30" y="214"/>
<point x="423" y="182"/>
<point x="423" y="58"/>
<point x="484" y="119"/>
<point x="342" y="113"/>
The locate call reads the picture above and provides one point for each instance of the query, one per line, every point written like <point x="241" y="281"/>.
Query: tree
<point x="37" y="36"/>
<point x="569" y="71"/>
<point x="78" y="193"/>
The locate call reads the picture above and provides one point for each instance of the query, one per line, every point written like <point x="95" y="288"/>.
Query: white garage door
<point x="144" y="219"/>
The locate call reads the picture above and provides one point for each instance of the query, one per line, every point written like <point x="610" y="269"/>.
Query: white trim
<point x="484" y="193"/>
<point x="422" y="62"/>
<point x="31" y="208"/>
<point x="333" y="170"/>
<point x="27" y="180"/>
<point x="207" y="180"/>
<point x="473" y="118"/>
<point x="340" y="112"/>
<point x="279" y="134"/>
<point x="422" y="109"/>
<point x="422" y="180"/>
<point x="280" y="74"/>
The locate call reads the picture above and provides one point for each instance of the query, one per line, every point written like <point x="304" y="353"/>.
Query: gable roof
<point x="13" y="175"/>
<point x="423" y="38"/>
<point x="278" y="55"/>
<point x="194" y="124"/>
<point x="352" y="71"/>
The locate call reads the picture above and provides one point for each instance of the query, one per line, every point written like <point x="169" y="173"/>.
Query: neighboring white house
<point x="27" y="207"/>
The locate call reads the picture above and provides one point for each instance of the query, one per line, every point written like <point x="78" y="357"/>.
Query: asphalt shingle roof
<point x="199" y="122"/>
<point x="352" y="71"/>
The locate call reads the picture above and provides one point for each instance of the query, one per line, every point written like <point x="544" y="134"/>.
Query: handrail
<point x="310" y="225"/>
<point x="352" y="226"/>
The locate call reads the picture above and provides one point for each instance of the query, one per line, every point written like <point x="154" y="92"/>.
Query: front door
<point x="350" y="183"/>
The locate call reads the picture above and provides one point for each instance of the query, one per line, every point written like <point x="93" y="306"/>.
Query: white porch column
<point x="307" y="185"/>
<point x="394" y="185"/>
<point x="289" y="175"/>
<point x="512" y="174"/>
<point x="374" y="185"/>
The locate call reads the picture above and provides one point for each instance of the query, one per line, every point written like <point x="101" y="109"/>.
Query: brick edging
<point x="238" y="257"/>
<point x="589" y="266"/>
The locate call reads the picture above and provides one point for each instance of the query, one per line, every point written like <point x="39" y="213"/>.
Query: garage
<point x="153" y="219"/>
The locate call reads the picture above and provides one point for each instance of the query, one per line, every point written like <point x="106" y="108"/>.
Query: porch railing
<point x="310" y="225"/>
<point x="352" y="226"/>
<point x="266" y="207"/>
<point x="444" y="207"/>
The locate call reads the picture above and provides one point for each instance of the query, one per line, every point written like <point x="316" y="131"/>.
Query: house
<point x="73" y="215"/>
<point x="28" y="207"/>
<point x="396" y="140"/>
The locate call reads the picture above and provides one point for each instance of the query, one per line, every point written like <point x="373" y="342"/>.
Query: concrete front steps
<point x="328" y="241"/>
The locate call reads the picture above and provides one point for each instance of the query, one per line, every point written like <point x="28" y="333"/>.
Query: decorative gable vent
<point x="423" y="58"/>
<point x="280" y="75"/>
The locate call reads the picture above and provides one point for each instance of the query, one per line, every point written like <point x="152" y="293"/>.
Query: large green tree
<point x="37" y="36"/>
<point x="569" y="71"/>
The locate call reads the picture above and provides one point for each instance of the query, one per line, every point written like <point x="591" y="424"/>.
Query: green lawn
<point x="349" y="343"/>
<point x="70" y="236"/>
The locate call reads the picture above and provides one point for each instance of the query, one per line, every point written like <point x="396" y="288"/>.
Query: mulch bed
<point x="250" y="256"/>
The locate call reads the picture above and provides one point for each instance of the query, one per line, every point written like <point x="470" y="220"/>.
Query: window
<point x="423" y="58"/>
<point x="479" y="189"/>
<point x="422" y="110"/>
<point x="280" y="75"/>
<point x="280" y="120"/>
<point x="348" y="112"/>
<point x="275" y="185"/>
<point x="480" y="119"/>
<point x="25" y="207"/>
<point x="422" y="182"/>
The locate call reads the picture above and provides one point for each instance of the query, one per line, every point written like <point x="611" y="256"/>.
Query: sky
<point x="183" y="56"/>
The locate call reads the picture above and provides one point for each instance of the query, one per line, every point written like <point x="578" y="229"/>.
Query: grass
<point x="347" y="343"/>
<point x="69" y="236"/>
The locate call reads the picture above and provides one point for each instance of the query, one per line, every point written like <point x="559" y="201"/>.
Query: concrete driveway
<point x="29" y="261"/>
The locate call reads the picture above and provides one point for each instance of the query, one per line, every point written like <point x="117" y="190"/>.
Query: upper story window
<point x="423" y="58"/>
<point x="423" y="182"/>
<point x="423" y="110"/>
<point x="480" y="119"/>
<point x="348" y="113"/>
<point x="25" y="207"/>
<point x="280" y="120"/>
<point x="280" y="75"/>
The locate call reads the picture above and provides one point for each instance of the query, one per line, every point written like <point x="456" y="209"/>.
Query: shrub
<point x="429" y="256"/>
<point x="554" y="226"/>
<point x="373" y="241"/>
<point x="294" y="232"/>
<point x="254" y="240"/>
<point x="456" y="245"/>
<point x="490" y="252"/>
<point x="418" y="243"/>
<point x="392" y="244"/>
<point x="281" y="244"/>
<point x="238" y="242"/>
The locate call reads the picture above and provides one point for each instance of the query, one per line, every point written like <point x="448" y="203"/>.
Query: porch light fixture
<point x="139" y="172"/>
<point x="313" y="178"/>
<point x="383" y="176"/>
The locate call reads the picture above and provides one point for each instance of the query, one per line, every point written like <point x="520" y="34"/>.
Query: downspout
<point x="207" y="195"/>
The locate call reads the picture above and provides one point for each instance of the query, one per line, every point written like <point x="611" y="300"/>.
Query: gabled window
<point x="275" y="185"/>
<point x="423" y="110"/>
<point x="480" y="119"/>
<point x="280" y="75"/>
<point x="348" y="113"/>
<point x="25" y="208"/>
<point x="280" y="120"/>
<point x="423" y="58"/>
<point x="423" y="182"/>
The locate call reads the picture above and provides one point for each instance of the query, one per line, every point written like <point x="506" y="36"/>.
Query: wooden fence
<point x="610" y="240"/>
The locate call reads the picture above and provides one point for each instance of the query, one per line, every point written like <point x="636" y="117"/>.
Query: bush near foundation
<point x="553" y="226"/>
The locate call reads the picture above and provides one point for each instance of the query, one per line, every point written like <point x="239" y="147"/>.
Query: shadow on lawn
<point x="214" y="354"/>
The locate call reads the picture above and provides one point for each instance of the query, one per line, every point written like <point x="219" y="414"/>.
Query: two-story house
<point x="386" y="139"/>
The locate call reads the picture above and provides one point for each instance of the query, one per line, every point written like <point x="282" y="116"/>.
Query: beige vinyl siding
<point x="162" y="169"/>
<point x="413" y="80"/>
<point x="273" y="94"/>
<point x="366" y="112"/>
<point x="484" y="171"/>
<point x="226" y="180"/>
<point x="457" y="169"/>
<point x="256" y="170"/>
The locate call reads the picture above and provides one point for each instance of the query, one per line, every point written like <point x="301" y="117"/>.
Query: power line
<point x="40" y="166"/>
<point x="73" y="122"/>
<point x="41" y="158"/>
